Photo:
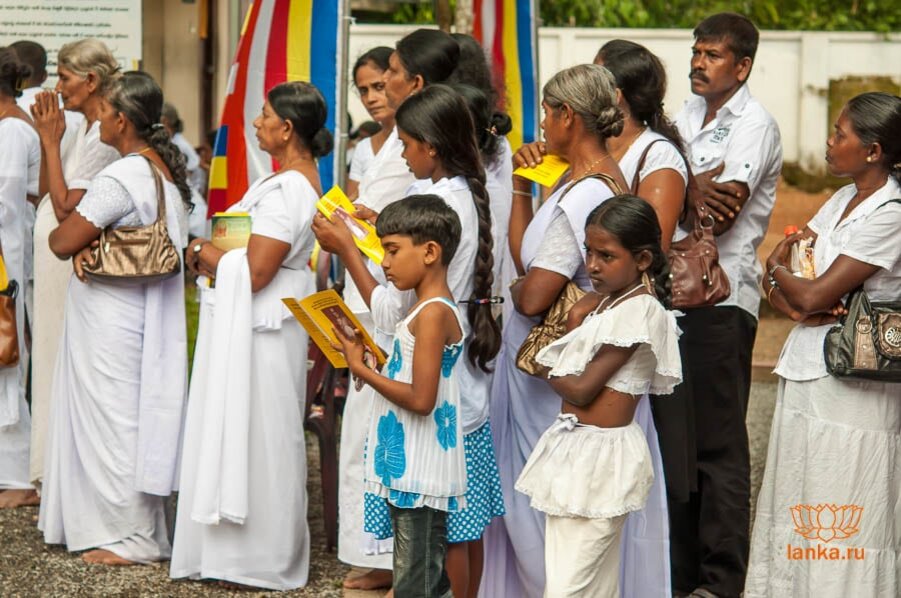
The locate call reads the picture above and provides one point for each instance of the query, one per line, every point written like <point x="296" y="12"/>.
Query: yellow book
<point x="336" y="203"/>
<point x="547" y="173"/>
<point x="4" y="277"/>
<point x="230" y="230"/>
<point x="320" y="314"/>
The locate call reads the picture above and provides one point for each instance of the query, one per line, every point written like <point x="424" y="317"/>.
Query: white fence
<point x="790" y="77"/>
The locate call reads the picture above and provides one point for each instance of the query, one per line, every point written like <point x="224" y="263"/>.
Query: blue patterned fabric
<point x="389" y="458"/>
<point x="449" y="358"/>
<point x="397" y="360"/>
<point x="446" y="421"/>
<point x="484" y="498"/>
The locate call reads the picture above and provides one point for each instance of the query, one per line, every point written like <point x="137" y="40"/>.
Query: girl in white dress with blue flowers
<point x="414" y="457"/>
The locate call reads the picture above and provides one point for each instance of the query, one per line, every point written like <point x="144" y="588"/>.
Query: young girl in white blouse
<point x="414" y="457"/>
<point x="593" y="466"/>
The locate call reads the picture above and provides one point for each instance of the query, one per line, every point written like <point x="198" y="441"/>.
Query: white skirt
<point x="834" y="445"/>
<point x="585" y="471"/>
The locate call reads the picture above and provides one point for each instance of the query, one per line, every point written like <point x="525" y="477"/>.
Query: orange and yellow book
<point x="321" y="314"/>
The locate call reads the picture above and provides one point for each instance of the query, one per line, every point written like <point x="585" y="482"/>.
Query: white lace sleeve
<point x="107" y="202"/>
<point x="559" y="250"/>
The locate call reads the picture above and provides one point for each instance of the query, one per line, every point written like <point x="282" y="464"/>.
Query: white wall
<point x="790" y="76"/>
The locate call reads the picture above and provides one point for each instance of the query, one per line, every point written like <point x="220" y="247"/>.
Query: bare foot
<point x="11" y="499"/>
<point x="105" y="557"/>
<point x="374" y="579"/>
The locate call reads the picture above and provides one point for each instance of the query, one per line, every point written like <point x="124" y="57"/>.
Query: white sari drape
<point x="118" y="397"/>
<point x="243" y="501"/>
<point x="20" y="141"/>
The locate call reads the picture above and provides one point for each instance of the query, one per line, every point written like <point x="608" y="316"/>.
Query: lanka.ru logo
<point x="826" y="522"/>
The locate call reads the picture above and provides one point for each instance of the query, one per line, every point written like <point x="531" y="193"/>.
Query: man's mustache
<point x="696" y="74"/>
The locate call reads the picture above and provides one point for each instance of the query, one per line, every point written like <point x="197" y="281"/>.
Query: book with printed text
<point x="321" y="314"/>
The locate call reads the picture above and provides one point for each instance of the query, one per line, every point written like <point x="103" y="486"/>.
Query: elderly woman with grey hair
<point x="580" y="114"/>
<point x="85" y="68"/>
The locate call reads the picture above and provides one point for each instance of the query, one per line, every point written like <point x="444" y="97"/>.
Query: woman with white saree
<point x="242" y="513"/>
<point x="69" y="161"/>
<point x="18" y="161"/>
<point x="120" y="379"/>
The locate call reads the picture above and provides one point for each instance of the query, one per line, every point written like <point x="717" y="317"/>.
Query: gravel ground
<point x="28" y="567"/>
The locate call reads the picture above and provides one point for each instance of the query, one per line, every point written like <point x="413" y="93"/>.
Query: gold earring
<point x="646" y="281"/>
<point x="869" y="158"/>
<point x="432" y="154"/>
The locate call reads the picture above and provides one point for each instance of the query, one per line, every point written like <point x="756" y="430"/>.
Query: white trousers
<point x="581" y="556"/>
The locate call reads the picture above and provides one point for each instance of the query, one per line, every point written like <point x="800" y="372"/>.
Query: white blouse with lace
<point x="655" y="367"/>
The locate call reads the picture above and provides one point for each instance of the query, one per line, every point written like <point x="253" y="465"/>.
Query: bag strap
<point x="644" y="156"/>
<point x="608" y="180"/>
<point x="160" y="193"/>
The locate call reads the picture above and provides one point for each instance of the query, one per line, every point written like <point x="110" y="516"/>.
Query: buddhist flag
<point x="507" y="29"/>
<point x="281" y="40"/>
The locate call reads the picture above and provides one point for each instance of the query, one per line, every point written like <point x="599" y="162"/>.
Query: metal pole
<point x="341" y="136"/>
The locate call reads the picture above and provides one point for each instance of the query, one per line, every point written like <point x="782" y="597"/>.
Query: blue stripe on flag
<point x="220" y="146"/>
<point x="526" y="69"/>
<point x="323" y="72"/>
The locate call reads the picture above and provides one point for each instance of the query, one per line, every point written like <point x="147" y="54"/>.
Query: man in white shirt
<point x="734" y="149"/>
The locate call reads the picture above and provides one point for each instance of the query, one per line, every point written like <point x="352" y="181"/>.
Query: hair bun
<point x="322" y="143"/>
<point x="609" y="122"/>
<point x="502" y="123"/>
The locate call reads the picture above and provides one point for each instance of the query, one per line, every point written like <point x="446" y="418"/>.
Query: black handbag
<point x="866" y="343"/>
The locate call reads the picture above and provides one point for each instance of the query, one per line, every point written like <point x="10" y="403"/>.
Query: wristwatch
<point x="198" y="247"/>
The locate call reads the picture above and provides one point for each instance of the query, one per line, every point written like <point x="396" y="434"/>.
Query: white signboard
<point x="52" y="23"/>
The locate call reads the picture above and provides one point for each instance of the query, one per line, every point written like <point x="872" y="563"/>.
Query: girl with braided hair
<point x="440" y="148"/>
<point x="120" y="382"/>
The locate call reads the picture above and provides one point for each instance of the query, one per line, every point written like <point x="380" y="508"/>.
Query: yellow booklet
<point x="336" y="203"/>
<point x="320" y="314"/>
<point x="4" y="277"/>
<point x="547" y="173"/>
<point x="230" y="230"/>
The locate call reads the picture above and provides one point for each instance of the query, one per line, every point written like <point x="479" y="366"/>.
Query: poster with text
<point x="53" y="23"/>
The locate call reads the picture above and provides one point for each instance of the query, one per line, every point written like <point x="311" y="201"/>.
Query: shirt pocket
<point x="706" y="157"/>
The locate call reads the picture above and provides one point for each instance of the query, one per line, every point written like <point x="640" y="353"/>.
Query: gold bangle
<point x="770" y="293"/>
<point x="523" y="193"/>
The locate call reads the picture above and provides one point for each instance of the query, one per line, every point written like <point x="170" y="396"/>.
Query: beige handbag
<point x="553" y="326"/>
<point x="550" y="329"/>
<point x="133" y="255"/>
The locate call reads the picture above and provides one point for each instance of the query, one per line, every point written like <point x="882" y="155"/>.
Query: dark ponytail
<point x="136" y="95"/>
<point x="641" y="77"/>
<point x="490" y="125"/>
<point x="439" y="117"/>
<point x="301" y="103"/>
<point x="634" y="223"/>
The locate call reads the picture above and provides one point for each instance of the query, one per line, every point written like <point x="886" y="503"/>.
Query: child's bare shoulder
<point x="437" y="318"/>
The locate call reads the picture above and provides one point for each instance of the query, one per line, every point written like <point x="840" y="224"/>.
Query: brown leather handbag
<point x="133" y="255"/>
<point x="553" y="325"/>
<point x="696" y="277"/>
<point x="9" y="335"/>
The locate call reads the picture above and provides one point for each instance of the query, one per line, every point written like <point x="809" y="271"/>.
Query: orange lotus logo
<point x="826" y="522"/>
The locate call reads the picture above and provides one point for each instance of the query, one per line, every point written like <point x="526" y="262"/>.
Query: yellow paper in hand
<point x="335" y="203"/>
<point x="4" y="277"/>
<point x="547" y="173"/>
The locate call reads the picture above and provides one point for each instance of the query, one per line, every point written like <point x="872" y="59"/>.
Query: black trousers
<point x="709" y="532"/>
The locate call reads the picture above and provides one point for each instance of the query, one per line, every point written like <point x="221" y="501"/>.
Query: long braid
<point x="174" y="160"/>
<point x="439" y="116"/>
<point x="486" y="334"/>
